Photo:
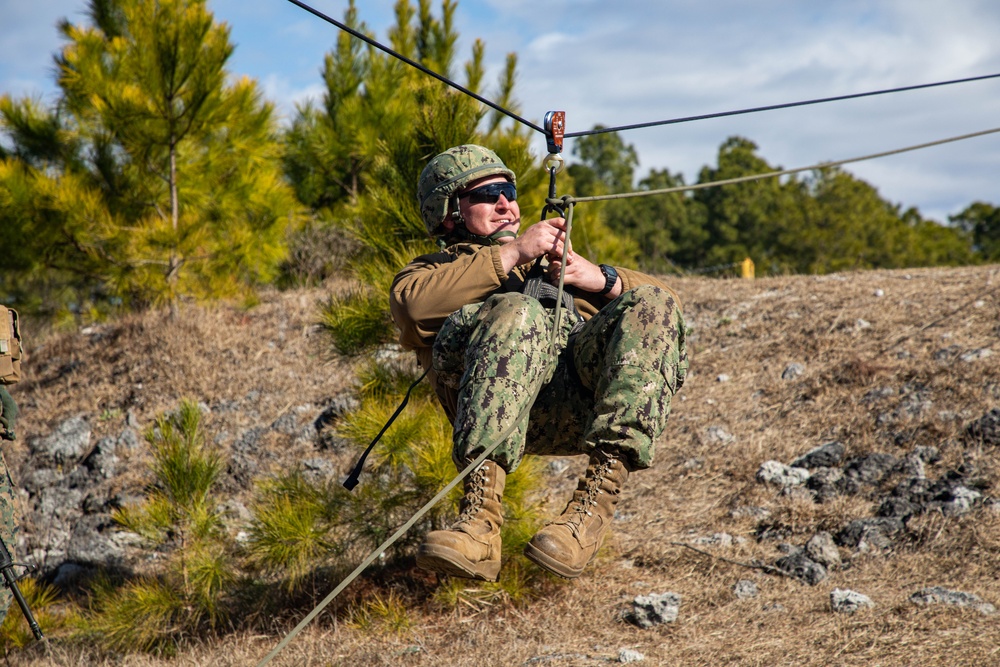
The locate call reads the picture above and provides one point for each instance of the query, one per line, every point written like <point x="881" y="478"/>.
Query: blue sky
<point x="635" y="61"/>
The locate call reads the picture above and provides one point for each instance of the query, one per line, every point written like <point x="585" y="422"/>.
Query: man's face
<point x="485" y="218"/>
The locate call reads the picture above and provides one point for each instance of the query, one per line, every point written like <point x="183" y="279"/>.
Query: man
<point x="480" y="316"/>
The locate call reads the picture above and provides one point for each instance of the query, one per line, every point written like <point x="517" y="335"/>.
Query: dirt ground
<point x="887" y="361"/>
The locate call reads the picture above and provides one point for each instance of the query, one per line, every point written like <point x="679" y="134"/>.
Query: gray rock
<point x="957" y="502"/>
<point x="824" y="483"/>
<point x="651" y="610"/>
<point x="724" y="540"/>
<point x="318" y="467"/>
<point x="927" y="454"/>
<point x="871" y="468"/>
<point x="66" y="444"/>
<point x="338" y="407"/>
<point x="778" y="474"/>
<point x="750" y="512"/>
<point x="95" y="540"/>
<point x="912" y="465"/>
<point x="60" y="502"/>
<point x="39" y="478"/>
<point x="127" y="442"/>
<point x="878" y="394"/>
<point x="744" y="589"/>
<point x="868" y="534"/>
<point x="946" y="353"/>
<point x="558" y="466"/>
<point x="844" y="601"/>
<point x="803" y="568"/>
<point x="822" y="549"/>
<point x="976" y="355"/>
<point x="899" y="508"/>
<point x="286" y="424"/>
<point x="719" y="436"/>
<point x="102" y="461"/>
<point x="941" y="595"/>
<point x="626" y="655"/>
<point x="792" y="371"/>
<point x="986" y="429"/>
<point x="824" y="456"/>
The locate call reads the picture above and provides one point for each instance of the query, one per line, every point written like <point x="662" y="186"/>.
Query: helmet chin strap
<point x="493" y="239"/>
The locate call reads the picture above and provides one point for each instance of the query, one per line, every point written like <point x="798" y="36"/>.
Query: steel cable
<point x="771" y="174"/>
<point x="773" y="107"/>
<point x="412" y="63"/>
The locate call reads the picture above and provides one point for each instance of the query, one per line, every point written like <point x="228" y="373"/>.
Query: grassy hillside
<point x="890" y="362"/>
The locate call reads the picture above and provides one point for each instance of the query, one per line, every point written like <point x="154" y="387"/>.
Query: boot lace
<point x="586" y="498"/>
<point x="475" y="494"/>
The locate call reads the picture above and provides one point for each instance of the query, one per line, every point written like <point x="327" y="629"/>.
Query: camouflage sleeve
<point x="432" y="287"/>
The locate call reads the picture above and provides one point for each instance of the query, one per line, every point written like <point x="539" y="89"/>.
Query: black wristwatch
<point x="610" y="278"/>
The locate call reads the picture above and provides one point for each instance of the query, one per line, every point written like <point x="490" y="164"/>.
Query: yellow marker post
<point x="746" y="268"/>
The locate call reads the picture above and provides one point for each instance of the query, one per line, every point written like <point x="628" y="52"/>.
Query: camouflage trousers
<point x="8" y="529"/>
<point x="611" y="388"/>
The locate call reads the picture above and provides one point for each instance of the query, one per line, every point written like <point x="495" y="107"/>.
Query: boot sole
<point x="546" y="562"/>
<point x="448" y="561"/>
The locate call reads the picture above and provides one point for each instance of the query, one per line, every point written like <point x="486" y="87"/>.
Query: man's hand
<point x="583" y="274"/>
<point x="542" y="238"/>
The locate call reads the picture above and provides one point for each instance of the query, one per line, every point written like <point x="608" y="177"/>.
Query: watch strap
<point x="610" y="278"/>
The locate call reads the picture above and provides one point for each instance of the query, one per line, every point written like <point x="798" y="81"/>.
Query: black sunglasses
<point x="490" y="193"/>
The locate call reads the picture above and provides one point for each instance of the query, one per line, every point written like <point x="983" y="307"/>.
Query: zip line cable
<point x="412" y="63"/>
<point x="773" y="107"/>
<point x="771" y="174"/>
<point x="622" y="128"/>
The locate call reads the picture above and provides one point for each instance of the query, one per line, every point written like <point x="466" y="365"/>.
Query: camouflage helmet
<point x="450" y="172"/>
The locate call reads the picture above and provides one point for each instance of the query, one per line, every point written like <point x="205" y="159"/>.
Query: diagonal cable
<point x="770" y="174"/>
<point x="399" y="56"/>
<point x="773" y="107"/>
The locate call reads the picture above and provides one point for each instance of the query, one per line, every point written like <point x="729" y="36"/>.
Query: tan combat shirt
<point x="432" y="287"/>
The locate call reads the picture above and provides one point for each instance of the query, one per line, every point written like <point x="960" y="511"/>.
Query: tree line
<point x="156" y="178"/>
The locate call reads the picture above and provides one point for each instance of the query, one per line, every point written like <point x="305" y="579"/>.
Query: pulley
<point x="555" y="128"/>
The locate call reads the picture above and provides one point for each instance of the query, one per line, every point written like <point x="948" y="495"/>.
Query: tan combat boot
<point x="566" y="545"/>
<point x="471" y="547"/>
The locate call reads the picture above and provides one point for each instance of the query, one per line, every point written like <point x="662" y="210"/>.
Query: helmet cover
<point x="450" y="172"/>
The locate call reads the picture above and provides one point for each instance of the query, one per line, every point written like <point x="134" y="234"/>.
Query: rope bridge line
<point x="771" y="174"/>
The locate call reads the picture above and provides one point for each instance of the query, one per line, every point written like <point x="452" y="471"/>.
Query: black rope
<point x="412" y="63"/>
<point x="773" y="107"/>
<point x="352" y="478"/>
<point x="621" y="128"/>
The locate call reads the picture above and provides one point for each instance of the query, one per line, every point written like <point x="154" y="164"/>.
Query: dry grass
<point x="880" y="375"/>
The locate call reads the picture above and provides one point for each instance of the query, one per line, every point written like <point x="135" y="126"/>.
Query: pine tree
<point x="981" y="221"/>
<point x="152" y="179"/>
